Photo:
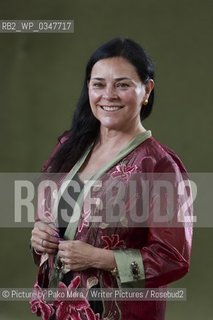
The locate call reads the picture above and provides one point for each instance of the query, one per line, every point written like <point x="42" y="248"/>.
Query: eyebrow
<point x="116" y="79"/>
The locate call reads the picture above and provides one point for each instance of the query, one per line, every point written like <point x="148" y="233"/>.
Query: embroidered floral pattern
<point x="74" y="309"/>
<point x="84" y="220"/>
<point x="124" y="171"/>
<point x="92" y="281"/>
<point x="39" y="305"/>
<point x="113" y="241"/>
<point x="90" y="315"/>
<point x="71" y="309"/>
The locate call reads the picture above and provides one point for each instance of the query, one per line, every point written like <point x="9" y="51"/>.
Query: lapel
<point x="74" y="220"/>
<point x="73" y="223"/>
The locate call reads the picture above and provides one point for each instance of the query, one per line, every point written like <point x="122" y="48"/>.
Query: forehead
<point x="114" y="67"/>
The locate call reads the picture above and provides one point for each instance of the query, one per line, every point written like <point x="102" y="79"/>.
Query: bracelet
<point x="37" y="252"/>
<point x="114" y="272"/>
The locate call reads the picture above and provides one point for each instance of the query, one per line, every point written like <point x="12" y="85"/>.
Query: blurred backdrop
<point x="40" y="80"/>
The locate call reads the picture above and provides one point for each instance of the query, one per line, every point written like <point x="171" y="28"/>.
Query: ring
<point x="42" y="240"/>
<point x="63" y="265"/>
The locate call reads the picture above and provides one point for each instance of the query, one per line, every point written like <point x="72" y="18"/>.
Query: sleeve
<point x="165" y="255"/>
<point x="130" y="268"/>
<point x="45" y="168"/>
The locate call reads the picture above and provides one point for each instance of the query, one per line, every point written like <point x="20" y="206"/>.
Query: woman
<point x="117" y="234"/>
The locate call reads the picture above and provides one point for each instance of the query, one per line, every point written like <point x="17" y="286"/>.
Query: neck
<point x="116" y="138"/>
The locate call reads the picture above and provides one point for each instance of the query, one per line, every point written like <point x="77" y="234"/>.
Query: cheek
<point x="129" y="97"/>
<point x="94" y="96"/>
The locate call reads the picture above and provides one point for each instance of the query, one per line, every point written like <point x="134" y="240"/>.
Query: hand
<point x="76" y="255"/>
<point x="45" y="238"/>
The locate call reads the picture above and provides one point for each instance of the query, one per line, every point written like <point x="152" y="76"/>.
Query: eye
<point x="122" y="85"/>
<point x="97" y="84"/>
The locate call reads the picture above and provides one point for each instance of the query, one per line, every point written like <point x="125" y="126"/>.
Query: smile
<point x="111" y="108"/>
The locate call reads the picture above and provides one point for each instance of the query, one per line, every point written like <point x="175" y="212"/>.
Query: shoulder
<point x="60" y="141"/>
<point x="160" y="157"/>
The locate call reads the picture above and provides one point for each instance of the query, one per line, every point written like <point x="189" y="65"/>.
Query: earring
<point x="145" y="102"/>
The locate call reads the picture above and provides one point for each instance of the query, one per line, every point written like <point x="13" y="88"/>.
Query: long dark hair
<point x="85" y="127"/>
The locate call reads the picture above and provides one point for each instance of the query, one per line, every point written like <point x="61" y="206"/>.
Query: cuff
<point x="36" y="256"/>
<point x="130" y="268"/>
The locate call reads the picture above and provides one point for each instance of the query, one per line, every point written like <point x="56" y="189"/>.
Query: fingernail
<point x="55" y="229"/>
<point x="53" y="225"/>
<point x="56" y="235"/>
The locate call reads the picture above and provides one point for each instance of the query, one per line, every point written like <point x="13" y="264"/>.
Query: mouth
<point x="111" y="108"/>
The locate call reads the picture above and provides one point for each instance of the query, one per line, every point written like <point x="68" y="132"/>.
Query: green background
<point x="40" y="81"/>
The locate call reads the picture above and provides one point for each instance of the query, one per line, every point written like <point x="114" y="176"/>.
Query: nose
<point x="109" y="93"/>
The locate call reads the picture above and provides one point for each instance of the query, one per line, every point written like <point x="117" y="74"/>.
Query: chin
<point x="111" y="126"/>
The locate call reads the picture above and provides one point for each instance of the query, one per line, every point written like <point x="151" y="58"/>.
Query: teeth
<point x="107" y="108"/>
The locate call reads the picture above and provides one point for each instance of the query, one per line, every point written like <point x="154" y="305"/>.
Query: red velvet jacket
<point x="150" y="250"/>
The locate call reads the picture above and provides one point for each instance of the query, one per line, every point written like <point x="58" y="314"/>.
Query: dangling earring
<point x="145" y="102"/>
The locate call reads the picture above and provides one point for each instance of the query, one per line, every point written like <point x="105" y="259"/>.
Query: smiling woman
<point x="110" y="168"/>
<point x="116" y="88"/>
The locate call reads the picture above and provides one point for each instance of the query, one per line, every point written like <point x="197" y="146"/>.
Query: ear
<point x="149" y="87"/>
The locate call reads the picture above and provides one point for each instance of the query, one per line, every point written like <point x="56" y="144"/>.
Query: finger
<point x="42" y="249"/>
<point x="65" y="244"/>
<point x="46" y="250"/>
<point x="64" y="254"/>
<point x="51" y="224"/>
<point x="48" y="228"/>
<point x="66" y="267"/>
<point x="46" y="244"/>
<point x="38" y="234"/>
<point x="66" y="263"/>
<point x="70" y="264"/>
